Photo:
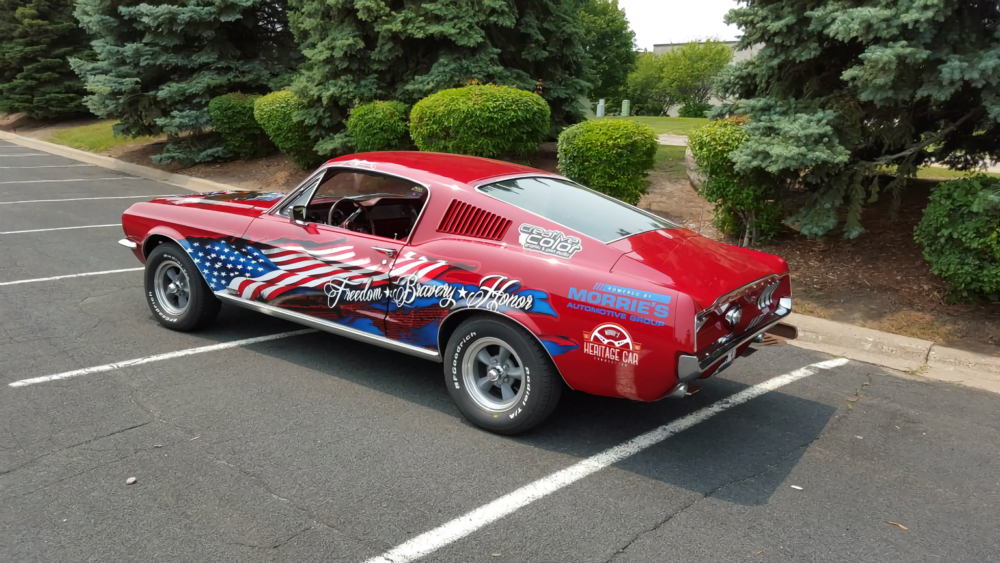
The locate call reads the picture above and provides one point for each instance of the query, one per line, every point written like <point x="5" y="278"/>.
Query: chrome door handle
<point x="390" y="252"/>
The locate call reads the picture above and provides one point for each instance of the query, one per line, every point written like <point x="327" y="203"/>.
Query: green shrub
<point x="746" y="205"/>
<point x="612" y="156"/>
<point x="959" y="236"/>
<point x="275" y="113"/>
<point x="232" y="117"/>
<point x="379" y="126"/>
<point x="694" y="110"/>
<point x="481" y="120"/>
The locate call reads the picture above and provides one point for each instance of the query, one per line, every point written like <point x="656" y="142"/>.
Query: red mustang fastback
<point x="519" y="281"/>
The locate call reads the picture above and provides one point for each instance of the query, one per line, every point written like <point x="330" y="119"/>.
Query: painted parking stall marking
<point x="60" y="229"/>
<point x="158" y="358"/>
<point x="82" y="199"/>
<point x="45" y="166"/>
<point x="452" y="531"/>
<point x="53" y="278"/>
<point x="69" y="180"/>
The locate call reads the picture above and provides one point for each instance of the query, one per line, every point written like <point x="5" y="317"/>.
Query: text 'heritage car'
<point x="519" y="281"/>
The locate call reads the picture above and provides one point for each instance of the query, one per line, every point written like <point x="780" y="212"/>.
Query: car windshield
<point x="576" y="207"/>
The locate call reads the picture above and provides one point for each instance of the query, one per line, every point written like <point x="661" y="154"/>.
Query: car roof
<point x="455" y="167"/>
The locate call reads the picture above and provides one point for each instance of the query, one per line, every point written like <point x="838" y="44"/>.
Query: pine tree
<point x="844" y="90"/>
<point x="404" y="50"/>
<point x="158" y="65"/>
<point x="36" y="38"/>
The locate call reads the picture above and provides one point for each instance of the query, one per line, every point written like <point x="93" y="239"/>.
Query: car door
<point x="337" y="273"/>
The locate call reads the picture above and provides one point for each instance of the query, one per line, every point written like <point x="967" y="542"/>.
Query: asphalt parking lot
<point x="316" y="448"/>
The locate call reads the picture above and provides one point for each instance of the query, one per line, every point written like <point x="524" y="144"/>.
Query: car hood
<point x="233" y="201"/>
<point x="693" y="264"/>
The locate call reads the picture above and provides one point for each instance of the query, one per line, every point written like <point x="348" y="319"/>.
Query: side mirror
<point x="299" y="214"/>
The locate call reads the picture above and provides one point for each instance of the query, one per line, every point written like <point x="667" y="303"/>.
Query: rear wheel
<point x="177" y="294"/>
<point x="499" y="376"/>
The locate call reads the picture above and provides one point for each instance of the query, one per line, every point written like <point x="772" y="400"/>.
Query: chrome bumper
<point x="690" y="369"/>
<point x="128" y="244"/>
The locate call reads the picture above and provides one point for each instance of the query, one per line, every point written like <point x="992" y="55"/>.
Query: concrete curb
<point x="912" y="355"/>
<point x="179" y="180"/>
<point x="902" y="353"/>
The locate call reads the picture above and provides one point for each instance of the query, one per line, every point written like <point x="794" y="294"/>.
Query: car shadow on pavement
<point x="758" y="442"/>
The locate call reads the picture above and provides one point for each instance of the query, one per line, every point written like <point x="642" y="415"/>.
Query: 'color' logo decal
<point x="553" y="243"/>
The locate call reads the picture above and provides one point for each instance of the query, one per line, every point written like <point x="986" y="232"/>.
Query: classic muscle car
<point x="519" y="281"/>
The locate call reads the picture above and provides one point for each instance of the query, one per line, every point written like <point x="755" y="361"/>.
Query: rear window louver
<point x="464" y="219"/>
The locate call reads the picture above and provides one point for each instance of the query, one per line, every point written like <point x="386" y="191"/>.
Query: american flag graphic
<point x="268" y="272"/>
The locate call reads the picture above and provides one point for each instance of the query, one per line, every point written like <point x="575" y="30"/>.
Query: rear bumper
<point x="690" y="369"/>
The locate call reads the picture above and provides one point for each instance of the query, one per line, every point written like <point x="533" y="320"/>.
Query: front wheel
<point x="499" y="376"/>
<point x="177" y="294"/>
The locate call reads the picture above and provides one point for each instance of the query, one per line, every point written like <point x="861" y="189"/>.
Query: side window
<point x="367" y="202"/>
<point x="303" y="198"/>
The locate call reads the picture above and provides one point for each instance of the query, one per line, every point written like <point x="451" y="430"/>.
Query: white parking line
<point x="45" y="166"/>
<point x="72" y="180"/>
<point x="83" y="199"/>
<point x="464" y="525"/>
<point x="158" y="358"/>
<point x="18" y="282"/>
<point x="26" y="154"/>
<point x="60" y="229"/>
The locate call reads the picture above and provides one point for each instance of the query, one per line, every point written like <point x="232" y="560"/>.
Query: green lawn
<point x="97" y="137"/>
<point x="669" y="125"/>
<point x="670" y="161"/>
<point x="935" y="173"/>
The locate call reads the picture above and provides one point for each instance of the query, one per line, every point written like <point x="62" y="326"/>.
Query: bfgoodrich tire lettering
<point x="500" y="376"/>
<point x="175" y="291"/>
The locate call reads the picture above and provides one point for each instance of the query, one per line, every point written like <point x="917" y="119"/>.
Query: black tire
<point x="200" y="308"/>
<point x="540" y="382"/>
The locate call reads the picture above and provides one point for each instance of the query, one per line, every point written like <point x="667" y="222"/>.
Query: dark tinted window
<point x="578" y="208"/>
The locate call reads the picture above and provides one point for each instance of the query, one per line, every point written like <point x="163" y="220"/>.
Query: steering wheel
<point x="346" y="212"/>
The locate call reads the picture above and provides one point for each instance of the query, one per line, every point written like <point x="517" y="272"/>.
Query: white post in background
<point x="600" y="107"/>
<point x="626" y="105"/>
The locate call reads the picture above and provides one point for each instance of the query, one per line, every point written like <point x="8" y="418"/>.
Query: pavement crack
<point x="712" y="492"/>
<point x="70" y="447"/>
<point x="278" y="544"/>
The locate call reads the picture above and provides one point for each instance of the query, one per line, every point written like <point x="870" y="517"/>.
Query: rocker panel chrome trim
<point x="333" y="328"/>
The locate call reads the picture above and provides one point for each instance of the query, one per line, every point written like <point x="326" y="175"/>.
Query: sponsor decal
<point x="622" y="303"/>
<point x="611" y="343"/>
<point x="553" y="243"/>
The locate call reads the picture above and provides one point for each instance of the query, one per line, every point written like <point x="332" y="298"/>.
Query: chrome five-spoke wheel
<point x="172" y="286"/>
<point x="494" y="375"/>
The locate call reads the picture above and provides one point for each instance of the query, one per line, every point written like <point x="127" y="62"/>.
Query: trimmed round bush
<point x="481" y="120"/>
<point x="959" y="236"/>
<point x="694" y="110"/>
<point x="275" y="113"/>
<point x="612" y="156"/>
<point x="379" y="126"/>
<point x="232" y="117"/>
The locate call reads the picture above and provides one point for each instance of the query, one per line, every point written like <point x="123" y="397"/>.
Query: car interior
<point x="363" y="202"/>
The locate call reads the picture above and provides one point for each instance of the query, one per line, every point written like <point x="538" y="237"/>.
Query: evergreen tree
<point x="846" y="89"/>
<point x="403" y="50"/>
<point x="36" y="38"/>
<point x="610" y="43"/>
<point x="159" y="65"/>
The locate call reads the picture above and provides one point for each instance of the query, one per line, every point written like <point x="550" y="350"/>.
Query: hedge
<point x="481" y="120"/>
<point x="232" y="117"/>
<point x="611" y="156"/>
<point x="275" y="113"/>
<point x="379" y="126"/>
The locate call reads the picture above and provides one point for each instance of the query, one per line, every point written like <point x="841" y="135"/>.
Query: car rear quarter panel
<point x="581" y="298"/>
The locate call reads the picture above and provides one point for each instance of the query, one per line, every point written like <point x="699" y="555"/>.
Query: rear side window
<point x="585" y="211"/>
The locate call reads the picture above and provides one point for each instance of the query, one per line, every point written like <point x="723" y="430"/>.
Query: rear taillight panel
<point x="740" y="312"/>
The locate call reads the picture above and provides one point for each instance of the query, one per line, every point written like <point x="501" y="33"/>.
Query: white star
<point x="219" y="265"/>
<point x="211" y="255"/>
<point x="462" y="293"/>
<point x="243" y="259"/>
<point x="196" y="260"/>
<point x="195" y="244"/>
<point x="261" y="269"/>
<point x="230" y="266"/>
<point x="201" y="254"/>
